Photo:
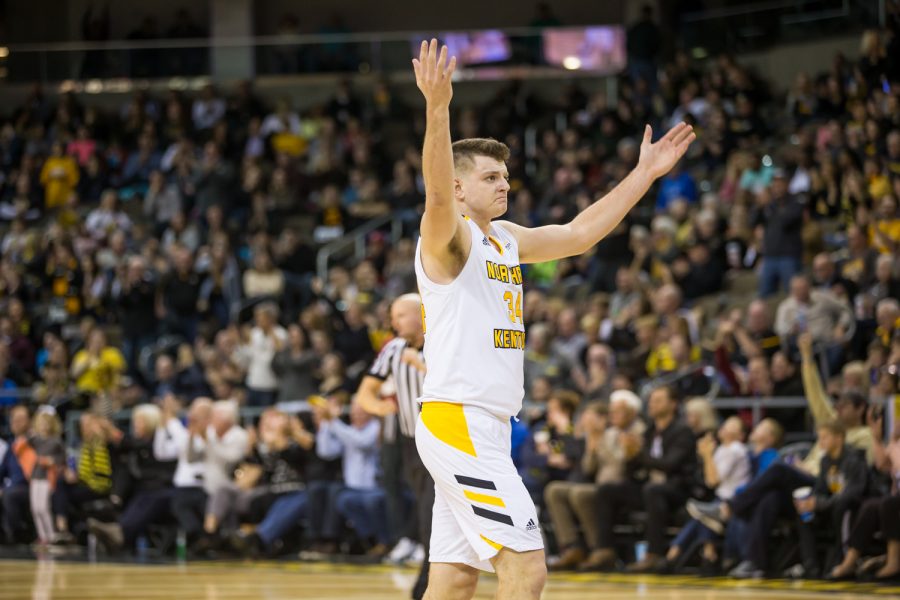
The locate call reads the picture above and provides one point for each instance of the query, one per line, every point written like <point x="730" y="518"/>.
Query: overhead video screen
<point x="473" y="47"/>
<point x="600" y="48"/>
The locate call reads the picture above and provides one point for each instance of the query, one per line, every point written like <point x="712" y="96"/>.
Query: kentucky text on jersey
<point x="504" y="273"/>
<point x="509" y="338"/>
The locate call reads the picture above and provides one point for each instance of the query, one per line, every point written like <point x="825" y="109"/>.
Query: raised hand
<point x="659" y="158"/>
<point x="433" y="74"/>
<point x="805" y="344"/>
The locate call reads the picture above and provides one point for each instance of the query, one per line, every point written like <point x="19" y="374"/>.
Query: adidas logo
<point x="531" y="525"/>
<point x="485" y="241"/>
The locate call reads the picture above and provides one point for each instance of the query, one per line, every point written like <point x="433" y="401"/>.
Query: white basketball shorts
<point x="481" y="504"/>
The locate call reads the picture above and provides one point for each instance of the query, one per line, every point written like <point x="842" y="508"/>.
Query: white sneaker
<point x="746" y="570"/>
<point x="401" y="551"/>
<point x="418" y="555"/>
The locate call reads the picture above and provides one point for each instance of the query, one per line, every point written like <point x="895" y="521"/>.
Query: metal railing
<point x="357" y="239"/>
<point x="122" y="418"/>
<point x="708" y="371"/>
<point x="248" y="414"/>
<point x="758" y="404"/>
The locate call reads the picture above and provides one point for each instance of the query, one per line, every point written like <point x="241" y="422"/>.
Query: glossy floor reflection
<point x="49" y="580"/>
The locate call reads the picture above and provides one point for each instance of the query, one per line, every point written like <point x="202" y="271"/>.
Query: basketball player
<point x="401" y="358"/>
<point x="470" y="280"/>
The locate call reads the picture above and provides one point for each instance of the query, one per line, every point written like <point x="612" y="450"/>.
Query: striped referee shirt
<point x="407" y="379"/>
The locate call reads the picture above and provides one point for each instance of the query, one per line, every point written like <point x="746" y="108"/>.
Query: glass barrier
<point x="596" y="50"/>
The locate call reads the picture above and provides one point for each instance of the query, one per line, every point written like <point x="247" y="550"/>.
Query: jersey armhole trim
<point x="426" y="281"/>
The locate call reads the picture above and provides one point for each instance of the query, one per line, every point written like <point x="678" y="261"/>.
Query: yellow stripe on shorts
<point x="447" y="422"/>
<point x="484" y="498"/>
<point x="492" y="543"/>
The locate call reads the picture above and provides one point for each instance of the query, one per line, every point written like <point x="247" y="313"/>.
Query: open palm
<point x="434" y="74"/>
<point x="659" y="158"/>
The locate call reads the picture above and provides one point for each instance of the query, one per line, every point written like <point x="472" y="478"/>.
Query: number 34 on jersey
<point x="513" y="339"/>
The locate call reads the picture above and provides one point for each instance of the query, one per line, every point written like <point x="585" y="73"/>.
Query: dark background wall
<point x="31" y="21"/>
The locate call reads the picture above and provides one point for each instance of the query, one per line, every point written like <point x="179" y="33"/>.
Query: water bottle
<point x="142" y="545"/>
<point x="181" y="546"/>
<point x="804" y="493"/>
<point x="640" y="551"/>
<point x="92" y="547"/>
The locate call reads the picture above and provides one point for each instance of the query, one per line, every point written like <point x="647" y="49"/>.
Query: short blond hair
<point x="465" y="151"/>
<point x="775" y="429"/>
<point x="702" y="407"/>
<point x="149" y="414"/>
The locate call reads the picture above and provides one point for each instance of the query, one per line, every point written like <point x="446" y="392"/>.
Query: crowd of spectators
<point x="158" y="261"/>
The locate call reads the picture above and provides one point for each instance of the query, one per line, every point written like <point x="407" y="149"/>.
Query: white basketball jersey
<point x="474" y="328"/>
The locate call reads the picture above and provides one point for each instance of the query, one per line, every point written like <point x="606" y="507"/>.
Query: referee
<point x="402" y="358"/>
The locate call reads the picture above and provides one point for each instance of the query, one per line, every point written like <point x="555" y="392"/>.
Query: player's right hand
<point x="434" y="74"/>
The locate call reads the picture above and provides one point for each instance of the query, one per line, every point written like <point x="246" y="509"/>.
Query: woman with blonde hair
<point x="701" y="417"/>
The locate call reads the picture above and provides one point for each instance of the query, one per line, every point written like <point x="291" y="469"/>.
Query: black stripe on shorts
<point x="476" y="483"/>
<point x="493" y="516"/>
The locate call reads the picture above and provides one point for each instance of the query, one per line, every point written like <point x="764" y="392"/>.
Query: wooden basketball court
<point x="54" y="580"/>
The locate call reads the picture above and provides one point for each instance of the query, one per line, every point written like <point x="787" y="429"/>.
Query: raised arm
<point x="819" y="404"/>
<point x="552" y="242"/>
<point x="440" y="227"/>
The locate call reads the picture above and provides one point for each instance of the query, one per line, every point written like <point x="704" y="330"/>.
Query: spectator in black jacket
<point x="698" y="273"/>
<point x="878" y="514"/>
<point x="135" y="294"/>
<point x="659" y="471"/>
<point x="781" y="217"/>
<point x="148" y="458"/>
<point x="178" y="294"/>
<point x="839" y="489"/>
<point x="289" y="445"/>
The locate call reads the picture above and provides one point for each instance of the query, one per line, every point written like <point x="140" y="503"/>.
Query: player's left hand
<point x="659" y="158"/>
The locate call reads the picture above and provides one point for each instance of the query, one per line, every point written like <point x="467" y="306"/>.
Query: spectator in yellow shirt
<point x="97" y="367"/>
<point x="885" y="231"/>
<point x="59" y="176"/>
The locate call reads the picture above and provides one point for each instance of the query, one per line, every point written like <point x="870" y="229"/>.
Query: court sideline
<point x="54" y="580"/>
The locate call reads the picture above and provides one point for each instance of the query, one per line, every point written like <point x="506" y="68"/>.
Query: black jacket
<point x="843" y="479"/>
<point x="139" y="469"/>
<point x="782" y="219"/>
<point x="678" y="459"/>
<point x="136" y="308"/>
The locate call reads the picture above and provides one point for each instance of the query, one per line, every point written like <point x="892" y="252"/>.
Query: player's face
<point x="484" y="187"/>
